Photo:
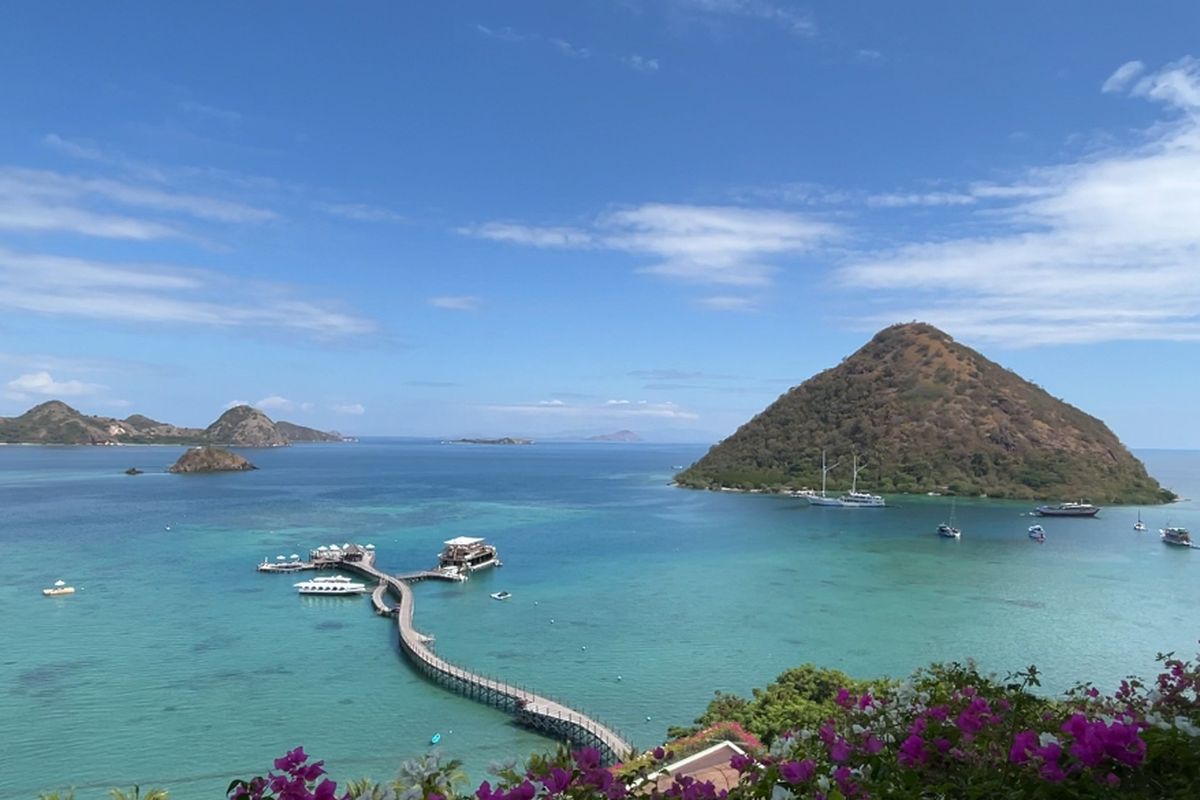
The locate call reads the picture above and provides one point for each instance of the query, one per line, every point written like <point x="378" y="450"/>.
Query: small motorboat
<point x="59" y="589"/>
<point x="1037" y="533"/>
<point x="948" y="531"/>
<point x="437" y="737"/>
<point x="501" y="595"/>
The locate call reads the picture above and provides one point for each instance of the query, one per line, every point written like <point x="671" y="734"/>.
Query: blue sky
<point x="548" y="218"/>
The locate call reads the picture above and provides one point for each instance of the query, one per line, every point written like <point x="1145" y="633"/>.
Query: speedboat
<point x="948" y="531"/>
<point x="1177" y="536"/>
<point x="1037" y="533"/>
<point x="337" y="584"/>
<point x="501" y="595"/>
<point x="59" y="589"/>
<point x="1068" y="510"/>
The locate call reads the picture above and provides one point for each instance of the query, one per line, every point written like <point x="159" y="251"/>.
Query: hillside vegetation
<point x="55" y="422"/>
<point x="927" y="414"/>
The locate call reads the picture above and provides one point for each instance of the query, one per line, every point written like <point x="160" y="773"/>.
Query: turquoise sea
<point x="178" y="665"/>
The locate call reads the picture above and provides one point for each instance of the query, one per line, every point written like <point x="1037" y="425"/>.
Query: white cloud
<point x="353" y="409"/>
<point x="531" y="235"/>
<point x="1102" y="249"/>
<point x="567" y="49"/>
<point x="640" y="63"/>
<point x="786" y="18"/>
<point x="235" y="404"/>
<point x="720" y="245"/>
<point x="74" y="149"/>
<point x="211" y="112"/>
<point x="616" y="402"/>
<point x="901" y="200"/>
<point x="728" y="303"/>
<point x="42" y="383"/>
<point x="160" y="294"/>
<point x="275" y="403"/>
<point x="1119" y="81"/>
<point x="56" y="191"/>
<point x="555" y="402"/>
<point x="360" y="212"/>
<point x="464" y="302"/>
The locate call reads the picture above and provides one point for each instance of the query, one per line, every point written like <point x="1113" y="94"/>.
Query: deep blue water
<point x="178" y="665"/>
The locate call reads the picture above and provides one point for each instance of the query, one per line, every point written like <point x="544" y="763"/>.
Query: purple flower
<point x="557" y="780"/>
<point x="525" y="791"/>
<point x="840" y="750"/>
<point x="844" y="698"/>
<point x="659" y="754"/>
<point x="740" y="762"/>
<point x="797" y="771"/>
<point x="1022" y="746"/>
<point x="587" y="758"/>
<point x="912" y="752"/>
<point x="872" y="744"/>
<point x="484" y="792"/>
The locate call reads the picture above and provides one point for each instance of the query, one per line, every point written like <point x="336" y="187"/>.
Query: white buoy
<point x="619" y="678"/>
<point x="584" y="647"/>
<point x="552" y="620"/>
<point x="647" y="719"/>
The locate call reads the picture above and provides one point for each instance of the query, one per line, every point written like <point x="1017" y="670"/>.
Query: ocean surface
<point x="177" y="665"/>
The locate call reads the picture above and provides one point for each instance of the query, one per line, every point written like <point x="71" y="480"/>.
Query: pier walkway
<point x="531" y="709"/>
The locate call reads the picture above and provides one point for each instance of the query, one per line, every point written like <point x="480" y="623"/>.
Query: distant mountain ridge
<point x="616" y="436"/>
<point x="55" y="422"/>
<point x="928" y="414"/>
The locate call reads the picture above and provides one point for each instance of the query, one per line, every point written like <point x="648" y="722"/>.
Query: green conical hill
<point x="928" y="414"/>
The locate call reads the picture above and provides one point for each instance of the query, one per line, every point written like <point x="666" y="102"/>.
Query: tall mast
<point x="825" y="471"/>
<point x="857" y="469"/>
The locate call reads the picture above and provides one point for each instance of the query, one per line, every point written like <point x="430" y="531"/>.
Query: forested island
<point x="55" y="422"/>
<point x="927" y="414"/>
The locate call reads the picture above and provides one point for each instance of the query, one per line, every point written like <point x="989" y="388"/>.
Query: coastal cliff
<point x="927" y="414"/>
<point x="210" y="459"/>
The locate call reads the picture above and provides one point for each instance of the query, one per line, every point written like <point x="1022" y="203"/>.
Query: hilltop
<point x="55" y="422"/>
<point x="928" y="414"/>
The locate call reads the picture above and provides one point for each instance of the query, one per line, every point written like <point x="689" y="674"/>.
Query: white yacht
<point x="1176" y="536"/>
<point x="857" y="499"/>
<point x="465" y="554"/>
<point x="336" y="584"/>
<point x="947" y="531"/>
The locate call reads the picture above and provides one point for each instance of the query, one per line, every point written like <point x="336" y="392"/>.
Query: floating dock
<point x="531" y="709"/>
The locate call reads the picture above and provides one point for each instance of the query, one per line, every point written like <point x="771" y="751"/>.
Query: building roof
<point x="462" y="541"/>
<point x="710" y="764"/>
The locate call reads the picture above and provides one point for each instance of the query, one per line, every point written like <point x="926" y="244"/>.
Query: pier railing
<point x="531" y="709"/>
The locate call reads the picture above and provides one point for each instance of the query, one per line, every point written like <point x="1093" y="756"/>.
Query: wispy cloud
<point x="563" y="47"/>
<point x="1124" y="75"/>
<point x="640" y="63"/>
<point x="719" y="245"/>
<point x="792" y="21"/>
<point x="361" y="212"/>
<point x="351" y="409"/>
<point x="160" y="294"/>
<point x="906" y="199"/>
<point x="1102" y="249"/>
<point x="275" y="402"/>
<point x="43" y="384"/>
<point x="222" y="115"/>
<point x="464" y="302"/>
<point x="42" y="200"/>
<point x="728" y="303"/>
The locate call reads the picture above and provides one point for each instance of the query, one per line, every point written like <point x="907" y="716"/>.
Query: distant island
<point x="501" y="440"/>
<point x="55" y="422"/>
<point x="927" y="414"/>
<point x="618" y="436"/>
<point x="210" y="459"/>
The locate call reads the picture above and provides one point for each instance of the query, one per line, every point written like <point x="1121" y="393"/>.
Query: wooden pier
<point x="531" y="709"/>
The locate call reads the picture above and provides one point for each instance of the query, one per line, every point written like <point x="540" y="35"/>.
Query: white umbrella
<point x="280" y="558"/>
<point x="60" y="583"/>
<point x="334" y="547"/>
<point x="322" y="549"/>
<point x="370" y="547"/>
<point x="295" y="556"/>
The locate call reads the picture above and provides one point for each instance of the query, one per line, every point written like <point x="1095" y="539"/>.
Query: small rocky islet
<point x="210" y="459"/>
